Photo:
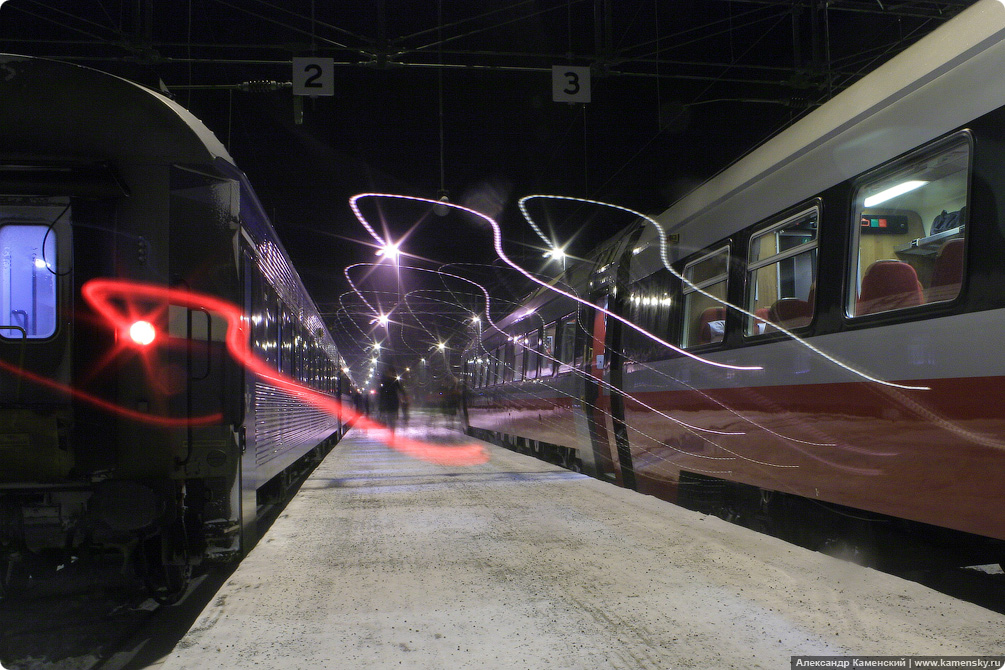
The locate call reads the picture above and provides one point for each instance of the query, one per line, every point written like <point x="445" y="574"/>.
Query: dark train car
<point x="834" y="300"/>
<point x="154" y="440"/>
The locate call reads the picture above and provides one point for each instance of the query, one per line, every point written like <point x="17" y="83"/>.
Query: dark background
<point x="455" y="96"/>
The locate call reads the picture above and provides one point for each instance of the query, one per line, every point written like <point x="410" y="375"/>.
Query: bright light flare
<point x="390" y="251"/>
<point x="142" y="333"/>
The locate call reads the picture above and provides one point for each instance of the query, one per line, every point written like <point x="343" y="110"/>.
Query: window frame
<point x="797" y="214"/>
<point x="566" y="348"/>
<point x="689" y="288"/>
<point x="519" y="351"/>
<point x="532" y="357"/>
<point x="11" y="331"/>
<point x="904" y="165"/>
<point x="546" y="359"/>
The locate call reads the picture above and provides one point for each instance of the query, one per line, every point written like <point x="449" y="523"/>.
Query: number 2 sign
<point x="313" y="76"/>
<point x="570" y="84"/>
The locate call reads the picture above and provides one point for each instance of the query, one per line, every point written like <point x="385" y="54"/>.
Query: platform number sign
<point x="313" y="76"/>
<point x="570" y="84"/>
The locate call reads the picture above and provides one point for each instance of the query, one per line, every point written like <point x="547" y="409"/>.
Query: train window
<point x="909" y="230"/>
<point x="28" y="281"/>
<point x="496" y="366"/>
<point x="477" y="380"/>
<point x="518" y="354"/>
<point x="483" y="370"/>
<point x="704" y="294"/>
<point x="487" y="369"/>
<point x="548" y="350"/>
<point x="782" y="274"/>
<point x="270" y="329"/>
<point x="533" y="342"/>
<point x="649" y="306"/>
<point x="567" y="344"/>
<point x="507" y="362"/>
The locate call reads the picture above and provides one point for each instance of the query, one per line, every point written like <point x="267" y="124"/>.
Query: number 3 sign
<point x="313" y="76"/>
<point x="570" y="84"/>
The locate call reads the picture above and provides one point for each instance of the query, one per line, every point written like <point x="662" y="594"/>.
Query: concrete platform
<point x="387" y="561"/>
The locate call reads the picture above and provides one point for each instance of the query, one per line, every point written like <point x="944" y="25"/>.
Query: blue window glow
<point x="27" y="281"/>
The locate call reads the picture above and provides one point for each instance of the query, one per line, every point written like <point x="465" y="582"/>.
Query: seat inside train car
<point x="712" y="325"/>
<point x="791" y="312"/>
<point x="887" y="285"/>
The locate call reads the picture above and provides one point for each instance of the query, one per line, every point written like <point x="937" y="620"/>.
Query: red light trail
<point x="103" y="294"/>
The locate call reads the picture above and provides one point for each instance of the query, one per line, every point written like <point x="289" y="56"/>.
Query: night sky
<point x="679" y="90"/>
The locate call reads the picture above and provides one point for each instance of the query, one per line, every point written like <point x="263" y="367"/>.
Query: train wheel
<point x="168" y="583"/>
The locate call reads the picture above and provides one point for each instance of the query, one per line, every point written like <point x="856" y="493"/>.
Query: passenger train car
<point x="156" y="439"/>
<point x="836" y="300"/>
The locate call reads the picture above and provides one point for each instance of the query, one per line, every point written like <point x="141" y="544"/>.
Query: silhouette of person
<point x="390" y="397"/>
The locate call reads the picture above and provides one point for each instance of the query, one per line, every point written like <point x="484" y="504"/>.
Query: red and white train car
<point x="839" y="298"/>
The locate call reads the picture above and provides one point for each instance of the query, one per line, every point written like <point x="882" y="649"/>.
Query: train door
<point x="204" y="258"/>
<point x="604" y="401"/>
<point x="256" y="306"/>
<point x="604" y="405"/>
<point x="600" y="461"/>
<point x="615" y="361"/>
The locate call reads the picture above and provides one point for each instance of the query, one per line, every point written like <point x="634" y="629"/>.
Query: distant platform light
<point x="390" y="251"/>
<point x="558" y="253"/>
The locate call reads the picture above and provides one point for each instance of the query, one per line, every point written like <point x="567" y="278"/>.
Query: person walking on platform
<point x="450" y="400"/>
<point x="390" y="397"/>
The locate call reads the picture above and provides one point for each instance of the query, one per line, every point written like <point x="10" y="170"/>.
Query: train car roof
<point x="78" y="111"/>
<point x="940" y="83"/>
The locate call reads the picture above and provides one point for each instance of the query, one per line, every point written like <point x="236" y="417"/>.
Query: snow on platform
<point x="385" y="561"/>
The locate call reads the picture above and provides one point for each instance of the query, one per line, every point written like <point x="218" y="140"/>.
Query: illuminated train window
<point x="567" y="344"/>
<point x="704" y="316"/>
<point x="27" y="281"/>
<point x="518" y="353"/>
<point x="650" y="307"/>
<point x="531" y="358"/>
<point x="910" y="223"/>
<point x="782" y="274"/>
<point x="548" y="350"/>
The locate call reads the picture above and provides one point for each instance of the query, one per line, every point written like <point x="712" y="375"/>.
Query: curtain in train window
<point x="782" y="274"/>
<point x="704" y="314"/>
<point x="27" y="281"/>
<point x="910" y="231"/>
